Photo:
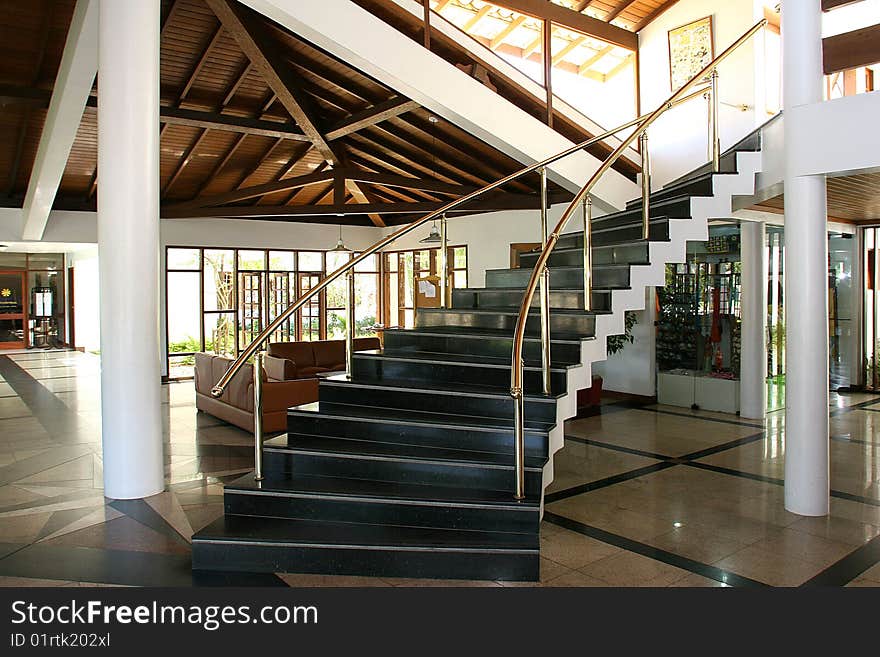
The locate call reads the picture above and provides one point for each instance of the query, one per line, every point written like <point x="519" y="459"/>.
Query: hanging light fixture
<point x="340" y="245"/>
<point x="433" y="236"/>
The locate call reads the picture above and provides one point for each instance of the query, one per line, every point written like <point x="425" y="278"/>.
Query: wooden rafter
<point x="322" y="166"/>
<point x="624" y="63"/>
<point x="477" y="17"/>
<point x="501" y="202"/>
<point x="509" y="29"/>
<point x="567" y="48"/>
<point x="533" y="46"/>
<point x="252" y="39"/>
<point x="851" y="49"/>
<point x="619" y="9"/>
<point x="371" y="116"/>
<point x="572" y="20"/>
<point x="589" y="63"/>
<point x="242" y="124"/>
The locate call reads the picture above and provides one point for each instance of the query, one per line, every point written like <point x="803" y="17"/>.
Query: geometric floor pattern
<point x="644" y="495"/>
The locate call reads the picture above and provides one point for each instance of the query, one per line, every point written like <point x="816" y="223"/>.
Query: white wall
<point x="678" y="140"/>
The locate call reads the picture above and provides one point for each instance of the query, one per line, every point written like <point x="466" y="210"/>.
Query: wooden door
<point x="13" y="310"/>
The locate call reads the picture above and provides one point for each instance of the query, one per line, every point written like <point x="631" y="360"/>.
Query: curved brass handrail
<point x="516" y="374"/>
<point x="252" y="348"/>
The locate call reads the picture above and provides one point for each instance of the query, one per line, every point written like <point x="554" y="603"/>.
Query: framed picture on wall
<point x="691" y="48"/>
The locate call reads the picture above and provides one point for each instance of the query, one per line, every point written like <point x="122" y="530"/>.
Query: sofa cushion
<point x="301" y="353"/>
<point x="329" y="353"/>
<point x="307" y="372"/>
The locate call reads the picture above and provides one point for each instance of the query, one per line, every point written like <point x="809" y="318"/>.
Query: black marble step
<point x="426" y="367"/>
<point x="498" y="297"/>
<point x="466" y="432"/>
<point x="623" y="253"/>
<point x="570" y="322"/>
<point x="254" y="544"/>
<point x="749" y="143"/>
<point x="604" y="277"/>
<point x="437" y="398"/>
<point x="380" y="502"/>
<point x="699" y="185"/>
<point x="295" y="455"/>
<point x="483" y="342"/>
<point x="677" y="207"/>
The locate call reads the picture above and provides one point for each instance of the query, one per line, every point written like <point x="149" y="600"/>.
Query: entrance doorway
<point x="13" y="310"/>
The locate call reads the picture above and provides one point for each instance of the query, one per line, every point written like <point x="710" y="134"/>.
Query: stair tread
<point x="470" y="360"/>
<point x="514" y="311"/>
<point x="614" y="265"/>
<point x="404" y="416"/>
<point x="443" y="388"/>
<point x="320" y="533"/>
<point x="351" y="448"/>
<point x="464" y="331"/>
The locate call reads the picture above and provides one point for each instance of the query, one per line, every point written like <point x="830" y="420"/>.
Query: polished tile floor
<point x="643" y="496"/>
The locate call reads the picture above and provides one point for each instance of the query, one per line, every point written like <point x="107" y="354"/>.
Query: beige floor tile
<point x="631" y="569"/>
<point x="862" y="583"/>
<point x="841" y="530"/>
<point x="805" y="547"/>
<point x="575" y="578"/>
<point x="573" y="550"/>
<point x="774" y="568"/>
<point x="697" y="544"/>
<point x="873" y="573"/>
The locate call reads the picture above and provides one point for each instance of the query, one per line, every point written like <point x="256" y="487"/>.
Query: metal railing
<point x="548" y="241"/>
<point x="540" y="269"/>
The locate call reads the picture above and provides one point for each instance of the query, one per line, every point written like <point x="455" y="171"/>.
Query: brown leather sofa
<point x="290" y="372"/>
<point x="287" y="361"/>
<point x="236" y="405"/>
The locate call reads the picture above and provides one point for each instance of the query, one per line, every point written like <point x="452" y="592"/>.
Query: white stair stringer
<point x="681" y="231"/>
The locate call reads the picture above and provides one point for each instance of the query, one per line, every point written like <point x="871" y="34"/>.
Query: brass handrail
<point x="252" y="348"/>
<point x="516" y="374"/>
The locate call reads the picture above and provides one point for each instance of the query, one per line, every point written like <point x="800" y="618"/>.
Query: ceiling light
<point x="433" y="236"/>
<point x="340" y="245"/>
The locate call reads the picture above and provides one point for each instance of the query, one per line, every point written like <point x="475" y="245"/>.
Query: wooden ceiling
<point x="256" y="122"/>
<point x="851" y="199"/>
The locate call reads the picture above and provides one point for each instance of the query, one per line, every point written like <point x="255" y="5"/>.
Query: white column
<point x="128" y="246"/>
<point x="806" y="274"/>
<point x="753" y="338"/>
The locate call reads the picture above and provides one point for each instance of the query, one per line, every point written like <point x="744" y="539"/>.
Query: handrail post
<point x="716" y="133"/>
<point x="646" y="185"/>
<point x="519" y="441"/>
<point x="588" y="253"/>
<point x="349" y="323"/>
<point x="258" y="416"/>
<point x="444" y="263"/>
<point x="545" y="292"/>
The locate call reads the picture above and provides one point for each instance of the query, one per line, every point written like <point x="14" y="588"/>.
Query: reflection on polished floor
<point x="643" y="496"/>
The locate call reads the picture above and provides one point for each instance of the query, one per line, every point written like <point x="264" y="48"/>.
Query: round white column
<point x="753" y="338"/>
<point x="128" y="247"/>
<point x="806" y="274"/>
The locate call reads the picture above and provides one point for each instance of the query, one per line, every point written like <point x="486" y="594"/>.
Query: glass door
<point x="13" y="310"/>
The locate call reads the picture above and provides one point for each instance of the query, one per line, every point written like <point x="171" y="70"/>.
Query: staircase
<point x="406" y="469"/>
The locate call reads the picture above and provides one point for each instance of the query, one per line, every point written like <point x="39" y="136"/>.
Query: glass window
<point x="252" y="260"/>
<point x="311" y="261"/>
<point x="183" y="259"/>
<point x="13" y="260"/>
<point x="366" y="309"/>
<point x="310" y="314"/>
<point x="219" y="280"/>
<point x="250" y="306"/>
<point x="184" y="318"/>
<point x="220" y="333"/>
<point x="369" y="264"/>
<point x="181" y="367"/>
<point x="281" y="260"/>
<point x="45" y="261"/>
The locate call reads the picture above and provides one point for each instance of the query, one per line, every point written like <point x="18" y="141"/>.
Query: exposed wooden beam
<point x="624" y="63"/>
<point x="509" y="29"/>
<point x="851" y="49"/>
<point x="654" y="15"/>
<point x="390" y="180"/>
<point x="573" y="20"/>
<point x="322" y="166"/>
<point x="583" y="4"/>
<point x="253" y="192"/>
<point x="503" y="202"/>
<point x="441" y="5"/>
<point x="200" y="64"/>
<point x="533" y="46"/>
<point x="252" y="39"/>
<point x="567" y="48"/>
<point x="355" y="189"/>
<point x="618" y="10"/>
<point x="426" y="20"/>
<point x="260" y="162"/>
<point x="184" y="161"/>
<point x="477" y="17"/>
<point x="242" y="124"/>
<point x="588" y="64"/>
<point x="371" y="116"/>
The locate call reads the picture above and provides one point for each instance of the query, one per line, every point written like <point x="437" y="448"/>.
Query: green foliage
<point x="616" y="343"/>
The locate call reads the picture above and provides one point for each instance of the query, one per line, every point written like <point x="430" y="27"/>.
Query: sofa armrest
<point x="279" y="369"/>
<point x="281" y="395"/>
